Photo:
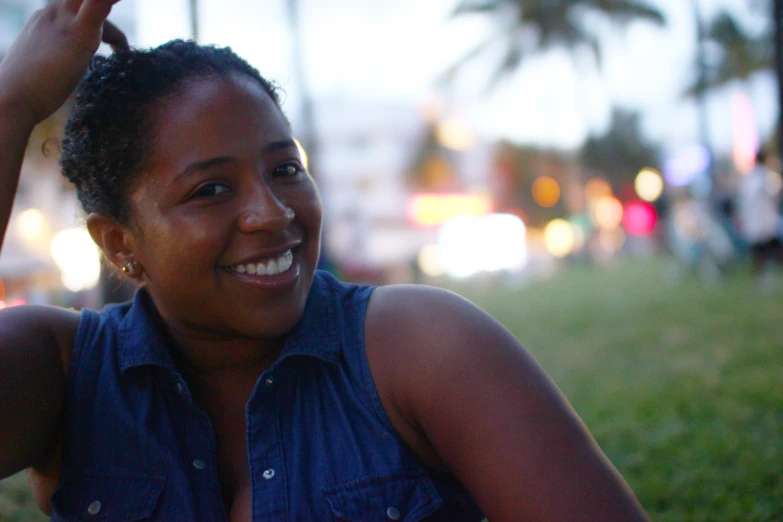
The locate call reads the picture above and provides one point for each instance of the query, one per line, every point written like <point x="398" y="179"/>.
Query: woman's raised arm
<point x="42" y="68"/>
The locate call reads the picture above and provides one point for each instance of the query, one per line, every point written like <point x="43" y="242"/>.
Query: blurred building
<point x="366" y="150"/>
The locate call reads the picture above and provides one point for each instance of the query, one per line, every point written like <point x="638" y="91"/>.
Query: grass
<point x="681" y="384"/>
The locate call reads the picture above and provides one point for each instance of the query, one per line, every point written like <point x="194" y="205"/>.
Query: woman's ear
<point x="114" y="240"/>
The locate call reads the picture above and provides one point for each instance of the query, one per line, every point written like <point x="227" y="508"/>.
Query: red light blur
<point x="640" y="218"/>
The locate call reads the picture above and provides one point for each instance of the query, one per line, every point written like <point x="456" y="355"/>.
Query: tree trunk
<point x="194" y="20"/>
<point x="702" y="91"/>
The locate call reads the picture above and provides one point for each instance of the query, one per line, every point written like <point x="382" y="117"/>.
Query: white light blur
<point x="31" y="224"/>
<point x="429" y="261"/>
<point x="559" y="237"/>
<point x="78" y="259"/>
<point x="649" y="185"/>
<point x="468" y="245"/>
<point x="455" y="135"/>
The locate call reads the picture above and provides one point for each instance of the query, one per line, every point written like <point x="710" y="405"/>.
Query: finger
<point x="72" y="5"/>
<point x="94" y="12"/>
<point x="113" y="36"/>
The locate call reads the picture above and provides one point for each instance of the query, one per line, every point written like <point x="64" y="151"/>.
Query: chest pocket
<point x="108" y="496"/>
<point x="402" y="496"/>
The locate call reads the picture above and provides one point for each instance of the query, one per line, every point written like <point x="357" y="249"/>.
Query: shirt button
<point x="268" y="474"/>
<point x="199" y="464"/>
<point x="94" y="508"/>
<point x="269" y="381"/>
<point x="393" y="513"/>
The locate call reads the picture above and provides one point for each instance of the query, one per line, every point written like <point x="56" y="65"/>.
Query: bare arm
<point x="489" y="412"/>
<point x="35" y="343"/>
<point x="40" y="71"/>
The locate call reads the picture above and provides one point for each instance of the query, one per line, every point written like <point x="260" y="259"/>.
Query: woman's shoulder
<point x="415" y="316"/>
<point x="39" y="328"/>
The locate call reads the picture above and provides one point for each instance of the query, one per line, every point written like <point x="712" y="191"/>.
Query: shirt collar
<point x="143" y="340"/>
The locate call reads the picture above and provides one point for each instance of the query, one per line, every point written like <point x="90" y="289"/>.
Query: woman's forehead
<point x="215" y="113"/>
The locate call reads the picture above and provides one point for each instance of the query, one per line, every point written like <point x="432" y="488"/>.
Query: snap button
<point x="94" y="508"/>
<point x="269" y="473"/>
<point x="393" y="513"/>
<point x="269" y="381"/>
<point x="199" y="464"/>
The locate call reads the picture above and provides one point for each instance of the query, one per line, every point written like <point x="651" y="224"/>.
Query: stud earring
<point x="129" y="268"/>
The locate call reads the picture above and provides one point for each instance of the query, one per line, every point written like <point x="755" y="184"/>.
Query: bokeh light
<point x="546" y="191"/>
<point x="608" y="212"/>
<point x="472" y="244"/>
<point x="611" y="241"/>
<point x="429" y="261"/>
<point x="428" y="210"/>
<point x="597" y="188"/>
<point x="684" y="164"/>
<point x="559" y="237"/>
<point x="77" y="258"/>
<point x="774" y="183"/>
<point x="455" y="135"/>
<point x="640" y="218"/>
<point x="649" y="185"/>
<point x="31" y="224"/>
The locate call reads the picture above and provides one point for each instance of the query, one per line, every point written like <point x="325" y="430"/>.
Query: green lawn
<point x="681" y="384"/>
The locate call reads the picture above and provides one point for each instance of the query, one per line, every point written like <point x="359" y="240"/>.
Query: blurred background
<point x="580" y="169"/>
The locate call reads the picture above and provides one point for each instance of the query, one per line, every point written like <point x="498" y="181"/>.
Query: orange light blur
<point x="2" y="290"/>
<point x="546" y="191"/>
<point x="597" y="188"/>
<point x="427" y="210"/>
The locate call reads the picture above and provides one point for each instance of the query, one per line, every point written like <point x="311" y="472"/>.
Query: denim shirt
<point x="320" y="446"/>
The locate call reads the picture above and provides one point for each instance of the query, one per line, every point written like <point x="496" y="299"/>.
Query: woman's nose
<point x="263" y="211"/>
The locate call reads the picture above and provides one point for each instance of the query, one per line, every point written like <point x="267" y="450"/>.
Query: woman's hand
<point x="51" y="54"/>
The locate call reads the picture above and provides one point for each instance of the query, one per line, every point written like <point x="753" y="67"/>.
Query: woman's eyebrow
<point x="279" y="144"/>
<point x="199" y="166"/>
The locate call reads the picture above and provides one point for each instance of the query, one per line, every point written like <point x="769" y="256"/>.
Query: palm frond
<point x="478" y="6"/>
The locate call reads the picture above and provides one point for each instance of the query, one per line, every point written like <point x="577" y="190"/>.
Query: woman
<point x="241" y="384"/>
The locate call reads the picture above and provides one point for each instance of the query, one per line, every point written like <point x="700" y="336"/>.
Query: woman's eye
<point x="288" y="170"/>
<point x="210" y="190"/>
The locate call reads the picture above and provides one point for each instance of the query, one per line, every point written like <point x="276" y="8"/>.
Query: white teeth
<point x="270" y="267"/>
<point x="261" y="269"/>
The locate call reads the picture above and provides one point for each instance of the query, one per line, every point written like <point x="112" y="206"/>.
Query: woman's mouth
<point x="268" y="267"/>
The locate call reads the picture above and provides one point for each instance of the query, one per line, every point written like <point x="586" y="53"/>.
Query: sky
<point x="393" y="51"/>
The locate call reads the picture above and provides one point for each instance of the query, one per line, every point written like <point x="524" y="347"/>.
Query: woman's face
<point x="225" y="220"/>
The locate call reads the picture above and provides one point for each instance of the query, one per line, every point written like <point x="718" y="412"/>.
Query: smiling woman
<point x="241" y="383"/>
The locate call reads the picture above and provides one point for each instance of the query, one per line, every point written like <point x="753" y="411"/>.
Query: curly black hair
<point x="110" y="130"/>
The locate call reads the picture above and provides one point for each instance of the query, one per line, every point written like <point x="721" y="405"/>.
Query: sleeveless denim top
<point x="320" y="446"/>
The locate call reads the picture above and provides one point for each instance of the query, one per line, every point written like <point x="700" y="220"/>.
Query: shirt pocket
<point x="108" y="496"/>
<point x="404" y="496"/>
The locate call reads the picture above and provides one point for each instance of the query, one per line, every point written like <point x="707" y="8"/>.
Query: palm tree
<point x="530" y="26"/>
<point x="742" y="54"/>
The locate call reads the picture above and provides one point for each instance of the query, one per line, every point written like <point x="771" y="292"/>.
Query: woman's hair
<point x="111" y="128"/>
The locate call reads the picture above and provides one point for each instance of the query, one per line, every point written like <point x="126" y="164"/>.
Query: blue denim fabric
<point x="137" y="447"/>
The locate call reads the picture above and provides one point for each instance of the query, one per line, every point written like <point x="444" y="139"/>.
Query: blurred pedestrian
<point x="759" y="220"/>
